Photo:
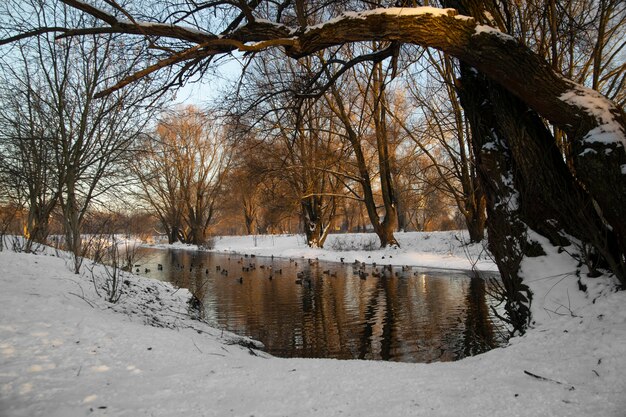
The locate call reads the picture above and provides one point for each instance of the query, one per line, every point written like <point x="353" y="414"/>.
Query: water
<point x="325" y="310"/>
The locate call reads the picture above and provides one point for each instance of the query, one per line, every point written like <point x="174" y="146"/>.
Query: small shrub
<point x="208" y="244"/>
<point x="351" y="243"/>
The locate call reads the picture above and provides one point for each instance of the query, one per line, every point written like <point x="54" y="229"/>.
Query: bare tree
<point x="363" y="116"/>
<point x="72" y="145"/>
<point x="441" y="134"/>
<point x="297" y="141"/>
<point x="27" y="163"/>
<point x="181" y="172"/>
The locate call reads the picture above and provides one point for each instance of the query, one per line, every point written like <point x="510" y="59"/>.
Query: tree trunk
<point x="249" y="215"/>
<point x="476" y="219"/>
<point x="384" y="229"/>
<point x="316" y="228"/>
<point x="390" y="221"/>
<point x="507" y="233"/>
<point x="312" y="221"/>
<point x="72" y="221"/>
<point x="37" y="227"/>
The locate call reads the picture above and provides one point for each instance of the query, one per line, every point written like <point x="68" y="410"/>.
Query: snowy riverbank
<point x="448" y="250"/>
<point x="64" y="351"/>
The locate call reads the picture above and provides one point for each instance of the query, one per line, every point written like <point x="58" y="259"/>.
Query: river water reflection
<point x="299" y="308"/>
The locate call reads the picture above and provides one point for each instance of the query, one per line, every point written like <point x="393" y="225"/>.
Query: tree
<point x="441" y="133"/>
<point x="296" y="138"/>
<point x="501" y="79"/>
<point x="27" y="162"/>
<point x="72" y="145"/>
<point x="181" y="172"/>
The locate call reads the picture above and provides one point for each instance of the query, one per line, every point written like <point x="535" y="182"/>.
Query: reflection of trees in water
<point x="380" y="303"/>
<point x="479" y="335"/>
<point x="425" y="317"/>
<point x="185" y="272"/>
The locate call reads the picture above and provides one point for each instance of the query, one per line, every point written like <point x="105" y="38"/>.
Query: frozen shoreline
<point x="440" y="250"/>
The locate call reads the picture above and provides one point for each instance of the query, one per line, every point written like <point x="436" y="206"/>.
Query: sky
<point x="201" y="92"/>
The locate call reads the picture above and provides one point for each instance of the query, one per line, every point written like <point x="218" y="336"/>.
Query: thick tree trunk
<point x="476" y="220"/>
<point x="316" y="227"/>
<point x="249" y="215"/>
<point x="37" y="227"/>
<point x="312" y="221"/>
<point x="507" y="233"/>
<point x="390" y="222"/>
<point x="527" y="184"/>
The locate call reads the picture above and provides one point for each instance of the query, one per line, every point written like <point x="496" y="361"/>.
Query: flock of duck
<point x="248" y="263"/>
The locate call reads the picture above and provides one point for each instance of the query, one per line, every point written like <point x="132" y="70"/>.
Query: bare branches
<point x="32" y="33"/>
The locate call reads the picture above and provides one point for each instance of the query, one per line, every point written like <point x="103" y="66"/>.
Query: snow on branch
<point x="608" y="129"/>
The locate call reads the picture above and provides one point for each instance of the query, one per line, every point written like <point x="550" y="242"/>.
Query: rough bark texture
<point x="507" y="232"/>
<point x="315" y="229"/>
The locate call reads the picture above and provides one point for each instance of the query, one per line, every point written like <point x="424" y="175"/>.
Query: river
<point x="305" y="308"/>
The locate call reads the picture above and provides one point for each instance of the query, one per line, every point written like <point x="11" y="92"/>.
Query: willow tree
<point x="505" y="88"/>
<point x="181" y="173"/>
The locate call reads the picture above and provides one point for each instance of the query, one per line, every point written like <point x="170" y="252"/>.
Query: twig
<point x="542" y="378"/>
<point x="194" y="343"/>
<point x="84" y="299"/>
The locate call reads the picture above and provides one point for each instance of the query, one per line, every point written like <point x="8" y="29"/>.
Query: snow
<point x="480" y="29"/>
<point x="64" y="351"/>
<point x="395" y="11"/>
<point x="594" y="104"/>
<point x="447" y="250"/>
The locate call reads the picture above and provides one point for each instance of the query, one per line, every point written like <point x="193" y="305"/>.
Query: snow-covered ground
<point x="64" y="351"/>
<point x="426" y="249"/>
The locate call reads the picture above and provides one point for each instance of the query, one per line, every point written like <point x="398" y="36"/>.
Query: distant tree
<point x="27" y="161"/>
<point x="364" y="115"/>
<point x="181" y="171"/>
<point x="441" y="134"/>
<point x="295" y="137"/>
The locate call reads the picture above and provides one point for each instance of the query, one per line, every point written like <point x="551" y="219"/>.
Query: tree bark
<point x="507" y="232"/>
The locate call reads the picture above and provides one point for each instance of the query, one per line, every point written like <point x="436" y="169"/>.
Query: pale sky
<point x="201" y="92"/>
